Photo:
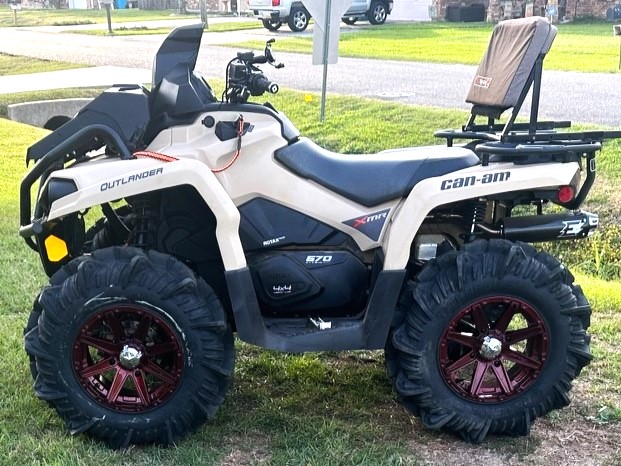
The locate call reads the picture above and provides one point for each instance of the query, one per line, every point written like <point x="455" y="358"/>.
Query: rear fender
<point x="469" y="183"/>
<point x="102" y="181"/>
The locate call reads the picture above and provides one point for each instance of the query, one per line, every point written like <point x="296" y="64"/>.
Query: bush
<point x="599" y="255"/>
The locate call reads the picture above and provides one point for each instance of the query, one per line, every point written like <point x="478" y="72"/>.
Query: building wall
<point x="411" y="10"/>
<point x="497" y="9"/>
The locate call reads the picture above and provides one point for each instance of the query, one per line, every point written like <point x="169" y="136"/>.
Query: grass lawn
<point x="64" y="17"/>
<point x="144" y="30"/>
<point x="11" y="64"/>
<point x="319" y="409"/>
<point x="578" y="46"/>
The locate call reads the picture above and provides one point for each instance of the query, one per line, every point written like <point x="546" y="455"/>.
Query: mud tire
<point x="433" y="302"/>
<point x="152" y="284"/>
<point x="33" y="321"/>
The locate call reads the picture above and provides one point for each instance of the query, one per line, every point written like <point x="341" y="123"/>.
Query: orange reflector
<point x="565" y="194"/>
<point x="56" y="248"/>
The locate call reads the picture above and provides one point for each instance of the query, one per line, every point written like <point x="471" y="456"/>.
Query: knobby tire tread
<point x="174" y="283"/>
<point x="450" y="273"/>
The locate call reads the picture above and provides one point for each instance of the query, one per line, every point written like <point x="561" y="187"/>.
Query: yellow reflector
<point x="308" y="98"/>
<point x="56" y="248"/>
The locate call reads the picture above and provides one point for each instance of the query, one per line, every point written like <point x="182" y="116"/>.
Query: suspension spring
<point x="145" y="209"/>
<point x="479" y="212"/>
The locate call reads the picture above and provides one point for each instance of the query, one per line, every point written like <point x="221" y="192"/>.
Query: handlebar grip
<point x="261" y="84"/>
<point x="258" y="60"/>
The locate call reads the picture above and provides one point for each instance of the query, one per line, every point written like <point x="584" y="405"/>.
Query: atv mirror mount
<point x="270" y="56"/>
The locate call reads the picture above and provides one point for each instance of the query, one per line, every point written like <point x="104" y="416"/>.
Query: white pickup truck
<point x="273" y="13"/>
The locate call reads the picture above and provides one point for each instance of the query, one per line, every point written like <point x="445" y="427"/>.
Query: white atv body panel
<point x="257" y="174"/>
<point x="105" y="180"/>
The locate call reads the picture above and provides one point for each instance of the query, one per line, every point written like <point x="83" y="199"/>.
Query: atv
<point x="217" y="218"/>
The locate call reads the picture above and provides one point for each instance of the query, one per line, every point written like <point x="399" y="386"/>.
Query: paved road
<point x="580" y="97"/>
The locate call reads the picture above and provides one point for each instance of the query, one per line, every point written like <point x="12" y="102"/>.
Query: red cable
<point x="221" y="169"/>
<point x="155" y="155"/>
<point x="240" y="132"/>
<point x="169" y="158"/>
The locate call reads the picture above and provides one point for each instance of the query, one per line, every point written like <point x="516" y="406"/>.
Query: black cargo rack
<point x="526" y="142"/>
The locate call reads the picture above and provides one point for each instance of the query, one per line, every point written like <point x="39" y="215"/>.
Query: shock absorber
<point x="479" y="211"/>
<point x="145" y="209"/>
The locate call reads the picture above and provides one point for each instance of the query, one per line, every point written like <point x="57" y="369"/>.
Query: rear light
<point x="565" y="194"/>
<point x="275" y="2"/>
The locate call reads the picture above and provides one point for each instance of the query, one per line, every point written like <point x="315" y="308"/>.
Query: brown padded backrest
<point x="509" y="60"/>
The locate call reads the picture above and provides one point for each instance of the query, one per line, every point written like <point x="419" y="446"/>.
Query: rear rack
<point x="502" y="81"/>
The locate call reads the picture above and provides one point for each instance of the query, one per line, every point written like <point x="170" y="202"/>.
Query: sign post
<point x="203" y="7"/>
<point x="616" y="30"/>
<point x="15" y="5"/>
<point x="326" y="49"/>
<point x="107" y="4"/>
<point x="327" y="14"/>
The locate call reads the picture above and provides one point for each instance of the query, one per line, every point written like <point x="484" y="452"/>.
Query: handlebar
<point x="261" y="84"/>
<point x="244" y="78"/>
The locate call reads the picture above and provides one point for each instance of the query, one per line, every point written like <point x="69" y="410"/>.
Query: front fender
<point x="105" y="180"/>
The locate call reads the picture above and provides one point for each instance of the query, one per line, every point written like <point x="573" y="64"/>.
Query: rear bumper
<point x="272" y="15"/>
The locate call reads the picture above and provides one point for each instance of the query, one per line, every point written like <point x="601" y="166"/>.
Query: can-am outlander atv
<point x="233" y="222"/>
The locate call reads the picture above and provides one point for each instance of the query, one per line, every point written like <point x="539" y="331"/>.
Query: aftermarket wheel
<point x="487" y="339"/>
<point x="350" y="21"/>
<point x="131" y="347"/>
<point x="298" y="19"/>
<point x="377" y="13"/>
<point x="271" y="24"/>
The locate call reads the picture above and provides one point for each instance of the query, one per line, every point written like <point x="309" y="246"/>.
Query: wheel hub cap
<point x="490" y="348"/>
<point x="130" y="357"/>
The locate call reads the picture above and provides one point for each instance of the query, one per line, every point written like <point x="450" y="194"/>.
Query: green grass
<point x="11" y="65"/>
<point x="51" y="17"/>
<point x="315" y="409"/>
<point x="578" y="46"/>
<point x="144" y="30"/>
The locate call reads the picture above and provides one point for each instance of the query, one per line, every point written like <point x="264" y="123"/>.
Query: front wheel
<point x="271" y="25"/>
<point x="131" y="347"/>
<point x="377" y="13"/>
<point x="487" y="339"/>
<point x="298" y="19"/>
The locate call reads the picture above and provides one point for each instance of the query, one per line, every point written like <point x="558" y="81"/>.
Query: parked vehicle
<point x="274" y="13"/>
<point x="230" y="221"/>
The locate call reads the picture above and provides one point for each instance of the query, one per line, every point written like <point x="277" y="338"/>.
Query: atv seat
<point x="371" y="179"/>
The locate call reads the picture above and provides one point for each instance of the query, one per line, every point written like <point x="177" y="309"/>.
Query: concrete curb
<point x="48" y="114"/>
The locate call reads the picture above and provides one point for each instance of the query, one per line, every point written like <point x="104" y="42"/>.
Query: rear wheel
<point x="131" y="347"/>
<point x="377" y="13"/>
<point x="298" y="19"/>
<point x="487" y="339"/>
<point x="271" y="24"/>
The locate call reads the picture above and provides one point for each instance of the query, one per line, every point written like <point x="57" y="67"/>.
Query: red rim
<point x="493" y="349"/>
<point x="127" y="358"/>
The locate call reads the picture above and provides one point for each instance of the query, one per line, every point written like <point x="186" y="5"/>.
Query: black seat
<point x="374" y="178"/>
